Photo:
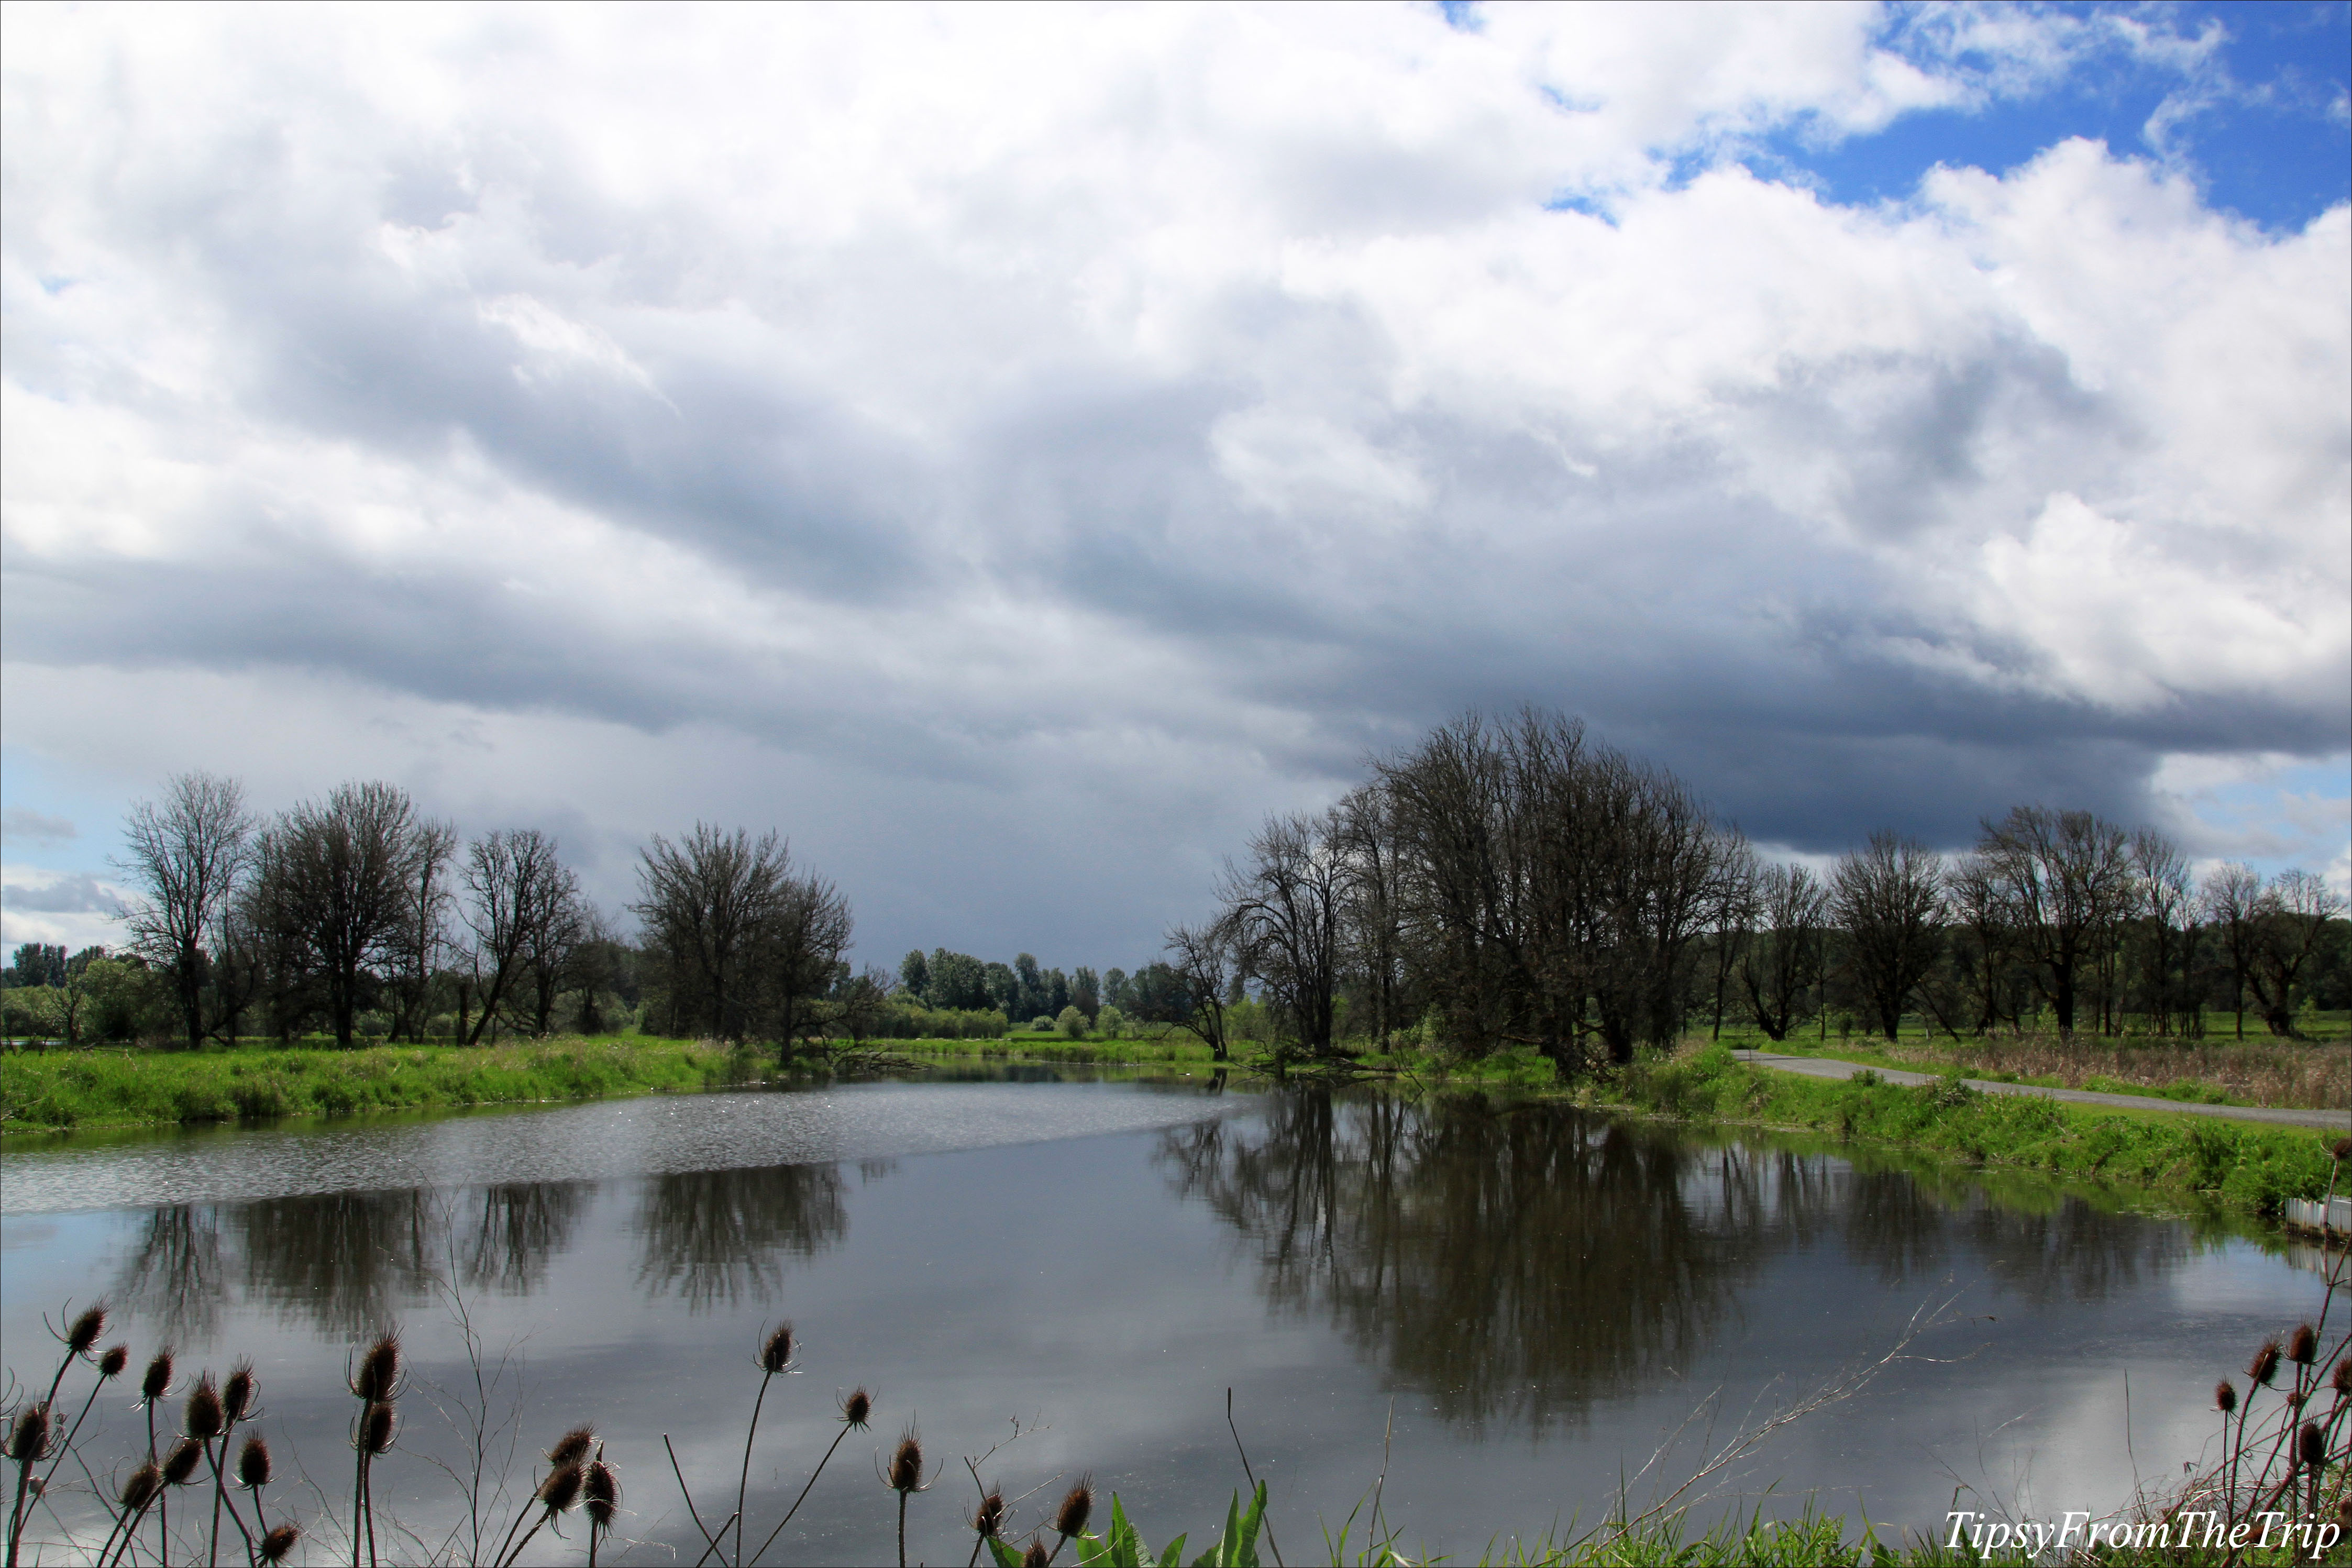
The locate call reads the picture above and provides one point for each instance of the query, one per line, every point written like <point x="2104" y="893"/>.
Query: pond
<point x="1511" y="1305"/>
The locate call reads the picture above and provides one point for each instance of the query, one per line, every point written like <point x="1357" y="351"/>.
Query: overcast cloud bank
<point x="1010" y="450"/>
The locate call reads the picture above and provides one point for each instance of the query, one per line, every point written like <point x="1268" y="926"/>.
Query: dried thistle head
<point x="252" y="1469"/>
<point x="280" y="1541"/>
<point x="205" y="1418"/>
<point x="2303" y="1345"/>
<point x="180" y="1465"/>
<point x="857" y="1408"/>
<point x="157" y="1381"/>
<point x="603" y="1491"/>
<point x="2225" y="1396"/>
<point x="29" y="1435"/>
<point x="1036" y="1556"/>
<point x="112" y="1364"/>
<point x="377" y="1424"/>
<point x="988" y="1520"/>
<point x="237" y="1393"/>
<point x="2311" y="1446"/>
<point x="1077" y="1507"/>
<point x="84" y="1331"/>
<point x="377" y="1381"/>
<point x="141" y="1488"/>
<point x="2265" y="1364"/>
<point x="561" y="1490"/>
<point x="905" y="1473"/>
<point x="572" y="1448"/>
<point x="776" y="1350"/>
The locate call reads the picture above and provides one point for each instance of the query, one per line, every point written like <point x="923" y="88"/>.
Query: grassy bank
<point x="2244" y="1166"/>
<point x="61" y="1089"/>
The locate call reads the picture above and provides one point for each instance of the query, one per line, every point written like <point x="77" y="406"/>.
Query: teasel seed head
<point x="180" y="1465"/>
<point x="572" y="1448"/>
<point x="603" y="1491"/>
<point x="907" y="1462"/>
<point x="776" y="1350"/>
<point x="1036" y="1556"/>
<point x="377" y="1424"/>
<point x="377" y="1381"/>
<point x="2225" y="1396"/>
<point x="2343" y="1380"/>
<point x="2303" y="1345"/>
<point x="2343" y="1150"/>
<point x="157" y="1382"/>
<point x="988" y="1520"/>
<point x="112" y="1364"/>
<point x="86" y="1329"/>
<point x="205" y="1417"/>
<point x="2344" y="1515"/>
<point x="561" y="1490"/>
<point x="237" y="1393"/>
<point x="280" y="1541"/>
<point x="141" y="1488"/>
<point x="253" y="1468"/>
<point x="2265" y="1364"/>
<point x="2311" y="1445"/>
<point x="28" y="1437"/>
<point x="856" y="1408"/>
<point x="1077" y="1507"/>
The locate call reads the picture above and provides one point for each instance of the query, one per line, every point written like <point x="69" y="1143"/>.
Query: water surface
<point x="1523" y="1301"/>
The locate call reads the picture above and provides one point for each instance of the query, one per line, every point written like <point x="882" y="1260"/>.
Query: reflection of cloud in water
<point x="712" y="1238"/>
<point x="1516" y="1265"/>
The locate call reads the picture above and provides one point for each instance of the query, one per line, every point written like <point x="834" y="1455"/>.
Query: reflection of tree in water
<point x="507" y="1234"/>
<point x="1512" y="1264"/>
<point x="714" y="1237"/>
<point x="172" y="1282"/>
<point x="345" y="1260"/>
<point x="1516" y="1264"/>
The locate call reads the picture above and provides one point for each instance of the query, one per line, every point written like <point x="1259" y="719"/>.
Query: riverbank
<point x="2249" y="1168"/>
<point x="56" y="1091"/>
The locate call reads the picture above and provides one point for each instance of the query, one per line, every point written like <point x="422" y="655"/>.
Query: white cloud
<point x="1190" y="396"/>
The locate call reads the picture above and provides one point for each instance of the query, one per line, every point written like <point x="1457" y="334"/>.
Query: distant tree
<point x="1116" y="993"/>
<point x="333" y="879"/>
<point x="39" y="964"/>
<point x="2231" y="900"/>
<point x="914" y="975"/>
<point x="1284" y="906"/>
<point x="1002" y="989"/>
<point x="187" y="853"/>
<point x="1057" y="992"/>
<point x="751" y="948"/>
<point x="1783" y="959"/>
<point x="522" y="904"/>
<point x="1111" y="1023"/>
<point x="2063" y="877"/>
<point x="1071" y="1023"/>
<point x="425" y="940"/>
<point x="1085" y="992"/>
<point x="2168" y="903"/>
<point x="1889" y="899"/>
<point x="862" y="1002"/>
<point x="1031" y="997"/>
<point x="2290" y="925"/>
<point x="956" y="980"/>
<point x="1732" y="918"/>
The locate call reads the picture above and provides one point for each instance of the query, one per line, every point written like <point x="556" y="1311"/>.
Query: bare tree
<point x="424" y="937"/>
<point x="747" y="945"/>
<point x="333" y="885"/>
<point x="186" y="855"/>
<point x="1283" y="908"/>
<point x="1374" y="923"/>
<point x="1731" y="922"/>
<point x="1785" y="955"/>
<point x="2231" y="899"/>
<point x="521" y="907"/>
<point x="2063" y="875"/>
<point x="2168" y="904"/>
<point x="2290" y="925"/>
<point x="1889" y="898"/>
<point x="1203" y="967"/>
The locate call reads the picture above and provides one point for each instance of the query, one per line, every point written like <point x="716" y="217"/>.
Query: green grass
<point x="52" y="1092"/>
<point x="2250" y="1168"/>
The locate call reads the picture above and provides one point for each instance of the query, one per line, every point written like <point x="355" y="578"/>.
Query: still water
<point x="1520" y="1302"/>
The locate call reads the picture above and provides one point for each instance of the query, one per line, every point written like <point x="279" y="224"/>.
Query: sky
<point x="1011" y="450"/>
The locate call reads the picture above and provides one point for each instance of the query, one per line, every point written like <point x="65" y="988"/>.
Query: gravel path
<point x="1822" y="1066"/>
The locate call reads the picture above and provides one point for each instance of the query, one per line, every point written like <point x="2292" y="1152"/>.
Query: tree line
<point x="1518" y="882"/>
<point x="358" y="906"/>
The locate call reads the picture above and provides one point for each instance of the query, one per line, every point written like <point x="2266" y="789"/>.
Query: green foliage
<point x="2248" y="1166"/>
<point x="1071" y="1023"/>
<point x="1118" y="1546"/>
